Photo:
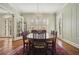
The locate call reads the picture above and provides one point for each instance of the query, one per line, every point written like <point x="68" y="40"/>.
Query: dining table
<point x="49" y="39"/>
<point x="48" y="36"/>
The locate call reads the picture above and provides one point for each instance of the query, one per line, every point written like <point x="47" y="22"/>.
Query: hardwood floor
<point x="17" y="43"/>
<point x="70" y="49"/>
<point x="7" y="45"/>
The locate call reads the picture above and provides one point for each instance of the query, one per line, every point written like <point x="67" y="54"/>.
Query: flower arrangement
<point x="24" y="33"/>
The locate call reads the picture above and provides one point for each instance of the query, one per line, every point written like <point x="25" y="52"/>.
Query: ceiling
<point x="37" y="7"/>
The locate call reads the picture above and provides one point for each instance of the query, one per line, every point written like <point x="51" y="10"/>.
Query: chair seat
<point x="26" y="41"/>
<point x="39" y="43"/>
<point x="39" y="46"/>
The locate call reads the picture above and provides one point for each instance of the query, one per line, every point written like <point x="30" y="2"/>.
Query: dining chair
<point x="39" y="42"/>
<point x="25" y="42"/>
<point x="54" y="41"/>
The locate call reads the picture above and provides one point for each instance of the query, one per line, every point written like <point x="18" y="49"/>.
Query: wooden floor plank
<point x="15" y="44"/>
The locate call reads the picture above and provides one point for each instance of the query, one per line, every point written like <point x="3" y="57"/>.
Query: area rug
<point x="59" y="51"/>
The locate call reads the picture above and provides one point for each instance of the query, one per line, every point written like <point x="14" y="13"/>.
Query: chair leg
<point x="23" y="49"/>
<point x="54" y="50"/>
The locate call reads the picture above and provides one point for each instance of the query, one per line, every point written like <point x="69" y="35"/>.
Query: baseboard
<point x="17" y="38"/>
<point x="71" y="43"/>
<point x="6" y="37"/>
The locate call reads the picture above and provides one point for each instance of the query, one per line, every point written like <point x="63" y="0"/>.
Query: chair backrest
<point x="39" y="35"/>
<point x="34" y="33"/>
<point x="24" y="34"/>
<point x="54" y="38"/>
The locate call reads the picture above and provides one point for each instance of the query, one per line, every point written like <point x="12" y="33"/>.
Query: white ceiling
<point x="37" y="7"/>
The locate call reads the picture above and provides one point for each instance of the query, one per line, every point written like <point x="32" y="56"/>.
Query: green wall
<point x="69" y="23"/>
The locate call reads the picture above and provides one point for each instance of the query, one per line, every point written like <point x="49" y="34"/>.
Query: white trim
<point x="71" y="43"/>
<point x="19" y="37"/>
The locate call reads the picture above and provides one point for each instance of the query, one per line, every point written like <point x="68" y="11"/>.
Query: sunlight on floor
<point x="60" y="43"/>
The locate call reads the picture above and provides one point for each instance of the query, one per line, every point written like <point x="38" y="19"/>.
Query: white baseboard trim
<point x="71" y="43"/>
<point x="17" y="38"/>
